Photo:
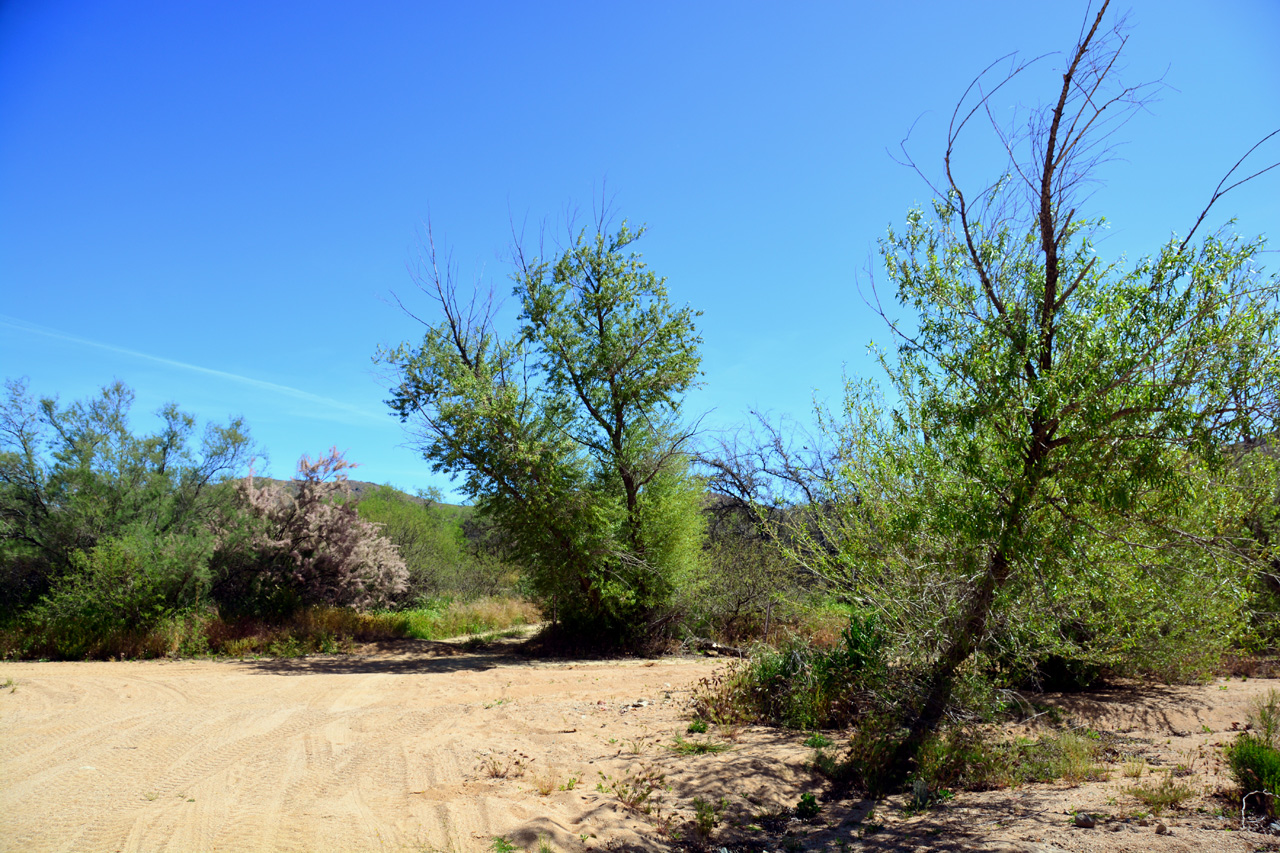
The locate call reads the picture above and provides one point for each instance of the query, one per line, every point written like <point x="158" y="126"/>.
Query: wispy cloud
<point x="295" y="393"/>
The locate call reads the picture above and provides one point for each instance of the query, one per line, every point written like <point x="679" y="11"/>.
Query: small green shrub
<point x="807" y="808"/>
<point x="636" y="789"/>
<point x="698" y="727"/>
<point x="1255" y="765"/>
<point x="707" y="815"/>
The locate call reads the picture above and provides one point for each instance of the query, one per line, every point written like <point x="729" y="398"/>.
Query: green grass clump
<point x="962" y="759"/>
<point x="697" y="747"/>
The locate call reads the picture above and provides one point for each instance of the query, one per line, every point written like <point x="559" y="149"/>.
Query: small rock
<point x="1144" y="822"/>
<point x="1161" y="829"/>
<point x="1085" y="821"/>
<point x="1115" y="827"/>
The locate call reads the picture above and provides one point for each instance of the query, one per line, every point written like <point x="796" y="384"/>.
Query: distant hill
<point x="362" y="488"/>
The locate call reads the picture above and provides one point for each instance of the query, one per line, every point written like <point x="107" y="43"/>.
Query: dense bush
<point x="74" y="478"/>
<point x="799" y="684"/>
<point x="307" y="545"/>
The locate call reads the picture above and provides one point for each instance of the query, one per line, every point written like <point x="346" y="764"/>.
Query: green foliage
<point x="707" y="815"/>
<point x="1165" y="794"/>
<point x="800" y="685"/>
<point x="697" y="747"/>
<point x="1254" y="756"/>
<point x="959" y="758"/>
<point x="807" y="808"/>
<point x="1255" y="765"/>
<point x="120" y="589"/>
<point x="637" y="789"/>
<point x="1052" y="467"/>
<point x="445" y="618"/>
<point x="75" y="477"/>
<point x="431" y="539"/>
<point x="567" y="435"/>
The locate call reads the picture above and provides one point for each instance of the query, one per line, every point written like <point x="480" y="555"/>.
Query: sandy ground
<point x="427" y="747"/>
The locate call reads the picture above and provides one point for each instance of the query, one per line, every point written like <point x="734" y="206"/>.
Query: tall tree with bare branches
<point x="1056" y="436"/>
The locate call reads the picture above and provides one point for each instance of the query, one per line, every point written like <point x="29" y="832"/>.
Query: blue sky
<point x="212" y="201"/>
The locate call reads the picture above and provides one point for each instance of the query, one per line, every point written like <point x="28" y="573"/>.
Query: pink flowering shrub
<point x="307" y="545"/>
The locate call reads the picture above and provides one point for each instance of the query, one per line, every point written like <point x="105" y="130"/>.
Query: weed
<point x="636" y="744"/>
<point x="570" y="784"/>
<point x="450" y="618"/>
<point x="1264" y="717"/>
<point x="546" y="783"/>
<point x="697" y="747"/>
<point x="501" y="767"/>
<point x="1133" y="768"/>
<point x="1165" y="794"/>
<point x="707" y="815"/>
<point x="697" y="727"/>
<point x="636" y="789"/>
<point x="731" y="732"/>
<point x="800" y="685"/>
<point x="817" y="740"/>
<point x="807" y="808"/>
<point x="502" y="845"/>
<point x="544" y="845"/>
<point x="151" y="796"/>
<point x="13" y="687"/>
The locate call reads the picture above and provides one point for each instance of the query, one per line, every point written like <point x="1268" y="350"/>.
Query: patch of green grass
<point x="448" y="618"/>
<point x="698" y="727"/>
<point x="697" y="747"/>
<point x="961" y="759"/>
<point x="817" y="740"/>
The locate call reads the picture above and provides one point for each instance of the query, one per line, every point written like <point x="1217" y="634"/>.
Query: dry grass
<point x="322" y="630"/>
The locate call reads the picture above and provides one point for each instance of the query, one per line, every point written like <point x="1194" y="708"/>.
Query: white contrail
<point x="296" y="393"/>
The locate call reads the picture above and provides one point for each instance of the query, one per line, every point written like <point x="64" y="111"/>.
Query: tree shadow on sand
<point x="399" y="657"/>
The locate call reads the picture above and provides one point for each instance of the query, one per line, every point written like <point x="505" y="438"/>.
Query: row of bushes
<point x="311" y="630"/>
<point x="114" y="543"/>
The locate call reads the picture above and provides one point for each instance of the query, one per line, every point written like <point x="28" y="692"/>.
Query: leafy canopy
<point x="568" y="434"/>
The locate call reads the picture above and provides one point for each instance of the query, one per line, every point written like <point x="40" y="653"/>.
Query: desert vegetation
<point x="125" y="545"/>
<point x="1065" y="473"/>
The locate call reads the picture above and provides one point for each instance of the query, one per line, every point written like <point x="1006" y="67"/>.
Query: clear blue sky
<point x="210" y="200"/>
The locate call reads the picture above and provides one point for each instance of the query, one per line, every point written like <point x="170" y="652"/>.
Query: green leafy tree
<point x="75" y="477"/>
<point x="1057" y="462"/>
<point x="567" y="434"/>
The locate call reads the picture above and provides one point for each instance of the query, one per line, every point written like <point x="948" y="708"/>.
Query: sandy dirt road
<point x="400" y="750"/>
<point x="424" y="747"/>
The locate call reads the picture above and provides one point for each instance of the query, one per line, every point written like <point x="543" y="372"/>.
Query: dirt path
<point x="420" y="746"/>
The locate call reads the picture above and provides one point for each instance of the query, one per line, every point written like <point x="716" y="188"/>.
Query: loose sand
<point x="424" y="746"/>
